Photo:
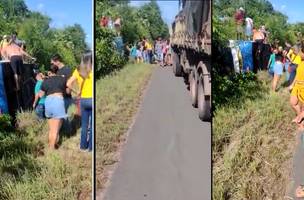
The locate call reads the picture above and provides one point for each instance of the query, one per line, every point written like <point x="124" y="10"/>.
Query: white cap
<point x="242" y="9"/>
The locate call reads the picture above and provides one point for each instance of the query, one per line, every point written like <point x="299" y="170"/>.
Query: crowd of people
<point x="245" y="28"/>
<point x="288" y="59"/>
<point x="53" y="97"/>
<point x="54" y="88"/>
<point x="145" y="52"/>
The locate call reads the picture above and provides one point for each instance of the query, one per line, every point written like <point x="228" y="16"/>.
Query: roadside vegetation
<point x="28" y="170"/>
<point x="117" y="99"/>
<point x="120" y="83"/>
<point x="252" y="149"/>
<point x="253" y="136"/>
<point x="137" y="22"/>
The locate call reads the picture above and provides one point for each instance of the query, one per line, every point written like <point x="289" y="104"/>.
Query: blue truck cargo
<point x="3" y="98"/>
<point x="247" y="57"/>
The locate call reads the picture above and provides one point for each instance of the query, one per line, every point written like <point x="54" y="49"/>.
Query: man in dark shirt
<point x="67" y="73"/>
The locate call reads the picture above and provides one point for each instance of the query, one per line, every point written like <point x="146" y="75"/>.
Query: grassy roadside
<point x="29" y="171"/>
<point x="252" y="149"/>
<point x="117" y="99"/>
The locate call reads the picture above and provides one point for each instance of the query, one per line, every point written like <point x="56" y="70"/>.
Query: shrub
<point x="107" y="58"/>
<point x="232" y="89"/>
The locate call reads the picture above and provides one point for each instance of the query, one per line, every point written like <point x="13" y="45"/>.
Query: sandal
<point x="300" y="191"/>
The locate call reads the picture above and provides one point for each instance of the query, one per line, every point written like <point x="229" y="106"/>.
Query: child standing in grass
<point x="38" y="104"/>
<point x="277" y="71"/>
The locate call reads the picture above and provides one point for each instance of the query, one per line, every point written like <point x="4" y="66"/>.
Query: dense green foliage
<point x="229" y="86"/>
<point x="250" y="142"/>
<point x="262" y="13"/>
<point x="28" y="170"/>
<point x="42" y="41"/>
<point x="234" y="89"/>
<point x="107" y="58"/>
<point x="137" y="23"/>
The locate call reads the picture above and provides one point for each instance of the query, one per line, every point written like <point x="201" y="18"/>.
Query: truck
<point x="12" y="101"/>
<point x="190" y="42"/>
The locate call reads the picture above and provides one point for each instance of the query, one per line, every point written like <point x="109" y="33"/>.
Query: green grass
<point x="30" y="171"/>
<point x="117" y="99"/>
<point x="253" y="146"/>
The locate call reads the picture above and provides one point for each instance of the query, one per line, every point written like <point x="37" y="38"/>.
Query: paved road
<point x="168" y="152"/>
<point x="297" y="176"/>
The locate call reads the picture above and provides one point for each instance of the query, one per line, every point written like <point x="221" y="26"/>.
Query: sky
<point x="168" y="8"/>
<point x="293" y="9"/>
<point x="66" y="12"/>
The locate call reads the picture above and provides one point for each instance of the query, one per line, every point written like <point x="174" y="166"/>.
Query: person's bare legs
<point x="294" y="102"/>
<point x="275" y="81"/>
<point x="169" y="59"/>
<point x="54" y="127"/>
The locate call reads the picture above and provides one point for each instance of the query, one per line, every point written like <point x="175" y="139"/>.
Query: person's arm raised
<point x="26" y="54"/>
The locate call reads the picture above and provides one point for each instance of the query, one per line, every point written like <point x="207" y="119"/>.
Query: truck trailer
<point x="191" y="52"/>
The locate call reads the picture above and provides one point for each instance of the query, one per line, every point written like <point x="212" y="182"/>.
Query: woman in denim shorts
<point x="53" y="88"/>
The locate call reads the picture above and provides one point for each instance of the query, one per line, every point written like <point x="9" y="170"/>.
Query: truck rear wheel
<point x="193" y="87"/>
<point x="204" y="103"/>
<point x="177" y="68"/>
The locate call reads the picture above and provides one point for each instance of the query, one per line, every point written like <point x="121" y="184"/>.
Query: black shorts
<point x="16" y="64"/>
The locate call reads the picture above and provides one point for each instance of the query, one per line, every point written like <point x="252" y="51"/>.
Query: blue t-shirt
<point x="133" y="52"/>
<point x="37" y="89"/>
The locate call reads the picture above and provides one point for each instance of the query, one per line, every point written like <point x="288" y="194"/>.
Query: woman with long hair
<point x="53" y="88"/>
<point x="84" y="77"/>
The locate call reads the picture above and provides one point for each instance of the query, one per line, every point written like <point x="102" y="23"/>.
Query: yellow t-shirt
<point x="148" y="46"/>
<point x="290" y="52"/>
<point x="298" y="88"/>
<point x="87" y="89"/>
<point x="300" y="72"/>
<point x="295" y="59"/>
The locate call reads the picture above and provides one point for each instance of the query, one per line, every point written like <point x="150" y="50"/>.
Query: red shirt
<point x="103" y="22"/>
<point x="239" y="16"/>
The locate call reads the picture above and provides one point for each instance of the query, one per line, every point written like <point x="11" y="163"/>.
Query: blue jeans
<point x="86" y="123"/>
<point x="160" y="56"/>
<point x="292" y="74"/>
<point x="286" y="70"/>
<point x="40" y="110"/>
